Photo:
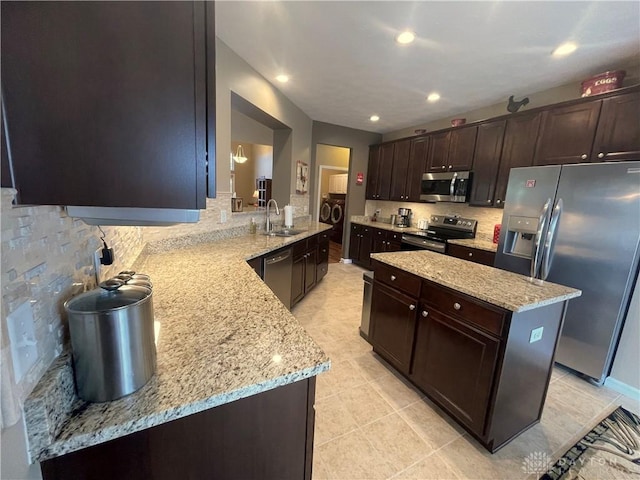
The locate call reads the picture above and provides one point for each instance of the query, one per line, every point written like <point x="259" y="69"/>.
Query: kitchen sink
<point x="287" y="232"/>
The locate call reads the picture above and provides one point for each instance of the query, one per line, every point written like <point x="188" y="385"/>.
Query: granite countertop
<point x="479" y="243"/>
<point x="508" y="290"/>
<point x="224" y="335"/>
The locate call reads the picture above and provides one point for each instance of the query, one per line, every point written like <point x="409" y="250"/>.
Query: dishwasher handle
<point x="278" y="258"/>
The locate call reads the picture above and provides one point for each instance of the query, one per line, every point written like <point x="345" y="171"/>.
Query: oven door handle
<point x="453" y="184"/>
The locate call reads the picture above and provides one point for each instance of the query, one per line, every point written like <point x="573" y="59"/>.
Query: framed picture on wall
<point x="236" y="204"/>
<point x="302" y="177"/>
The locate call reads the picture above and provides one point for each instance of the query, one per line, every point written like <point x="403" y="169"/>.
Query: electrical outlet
<point x="536" y="334"/>
<point x="24" y="352"/>
<point x="223" y="216"/>
<point x="378" y="211"/>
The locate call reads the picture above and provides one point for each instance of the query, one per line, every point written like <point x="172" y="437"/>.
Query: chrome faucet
<point x="267" y="224"/>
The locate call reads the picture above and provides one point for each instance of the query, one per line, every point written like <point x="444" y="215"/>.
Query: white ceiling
<point x="345" y="65"/>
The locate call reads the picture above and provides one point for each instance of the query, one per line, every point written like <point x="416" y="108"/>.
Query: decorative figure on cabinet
<point x="302" y="177"/>
<point x="514" y="106"/>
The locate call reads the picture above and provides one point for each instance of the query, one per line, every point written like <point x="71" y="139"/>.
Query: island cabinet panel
<point x="618" y="134"/>
<point x="393" y="321"/>
<point x="566" y="134"/>
<point x="475" y="255"/>
<point x="481" y="363"/>
<point x="106" y="103"/>
<point x="486" y="161"/>
<point x="455" y="364"/>
<point x="268" y="435"/>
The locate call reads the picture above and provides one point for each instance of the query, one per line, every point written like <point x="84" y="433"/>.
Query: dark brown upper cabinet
<point x="518" y="148"/>
<point x="417" y="167"/>
<point x="379" y="171"/>
<point x="452" y="150"/>
<point x="566" y="134"/>
<point x="618" y="133"/>
<point x="110" y="103"/>
<point x="400" y="171"/>
<point x="486" y="161"/>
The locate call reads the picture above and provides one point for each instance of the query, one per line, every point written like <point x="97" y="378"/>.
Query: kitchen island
<point x="476" y="340"/>
<point x="233" y="366"/>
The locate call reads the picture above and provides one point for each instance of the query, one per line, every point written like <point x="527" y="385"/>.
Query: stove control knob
<point x="459" y="222"/>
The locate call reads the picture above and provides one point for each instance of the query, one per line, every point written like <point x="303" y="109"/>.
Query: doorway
<point x="332" y="184"/>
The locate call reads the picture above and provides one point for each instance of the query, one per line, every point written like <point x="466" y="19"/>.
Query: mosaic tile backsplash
<point x="44" y="252"/>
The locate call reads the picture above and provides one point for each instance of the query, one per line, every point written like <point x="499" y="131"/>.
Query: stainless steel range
<point x="441" y="228"/>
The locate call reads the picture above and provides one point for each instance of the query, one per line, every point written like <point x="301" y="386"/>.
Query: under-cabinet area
<point x="471" y="344"/>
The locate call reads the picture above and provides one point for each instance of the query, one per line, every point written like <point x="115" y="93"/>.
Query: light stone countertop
<point x="508" y="290"/>
<point x="224" y="336"/>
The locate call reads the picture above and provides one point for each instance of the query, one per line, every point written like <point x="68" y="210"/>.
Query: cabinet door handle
<point x="489" y="201"/>
<point x="425" y="314"/>
<point x="457" y="306"/>
<point x="412" y="307"/>
<point x="601" y="155"/>
<point x="498" y="201"/>
<point x="449" y="167"/>
<point x="393" y="277"/>
<point x="471" y="254"/>
<point x="583" y="156"/>
<point x="444" y="166"/>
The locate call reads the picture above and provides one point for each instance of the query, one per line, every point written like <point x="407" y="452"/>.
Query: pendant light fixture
<point x="239" y="157"/>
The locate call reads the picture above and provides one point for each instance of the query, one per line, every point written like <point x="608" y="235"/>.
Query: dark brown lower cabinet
<point x="322" y="264"/>
<point x="393" y="320"/>
<point x="481" y="364"/>
<point x="268" y="435"/>
<point x="304" y="270"/>
<point x="455" y="363"/>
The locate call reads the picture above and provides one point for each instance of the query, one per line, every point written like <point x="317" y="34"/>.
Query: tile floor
<point x="370" y="423"/>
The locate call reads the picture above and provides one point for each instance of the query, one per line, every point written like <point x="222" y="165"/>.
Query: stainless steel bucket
<point x="112" y="339"/>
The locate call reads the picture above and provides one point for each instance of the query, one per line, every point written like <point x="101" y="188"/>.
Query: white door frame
<point x="316" y="215"/>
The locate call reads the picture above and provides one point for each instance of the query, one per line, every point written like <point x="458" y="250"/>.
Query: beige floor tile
<point x="397" y="391"/>
<point x="365" y="404"/>
<point x="395" y="441"/>
<point x="371" y="366"/>
<point x="599" y="393"/>
<point x="342" y="375"/>
<point x="319" y="469"/>
<point x="352" y="457"/>
<point x="432" y="467"/>
<point x="431" y="423"/>
<point x="579" y="405"/>
<point x="469" y="459"/>
<point x="332" y="419"/>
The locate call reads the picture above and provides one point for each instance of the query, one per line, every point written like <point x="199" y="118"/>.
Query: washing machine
<point x="325" y="211"/>
<point x="336" y="217"/>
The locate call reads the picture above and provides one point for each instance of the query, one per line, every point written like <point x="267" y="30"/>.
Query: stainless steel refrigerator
<point x="578" y="225"/>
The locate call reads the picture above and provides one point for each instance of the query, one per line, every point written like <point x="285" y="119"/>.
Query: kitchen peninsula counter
<point x="223" y="336"/>
<point x="507" y="290"/>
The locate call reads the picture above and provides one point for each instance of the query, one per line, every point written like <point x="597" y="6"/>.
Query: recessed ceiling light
<point x="405" y="37"/>
<point x="374" y="118"/>
<point x="282" y="78"/>
<point x="433" y="97"/>
<point x="564" y="49"/>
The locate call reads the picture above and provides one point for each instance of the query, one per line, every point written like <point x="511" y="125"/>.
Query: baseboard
<point x="623" y="388"/>
<point x="346" y="260"/>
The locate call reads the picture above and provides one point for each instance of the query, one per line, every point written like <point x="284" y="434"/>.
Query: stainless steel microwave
<point x="445" y="187"/>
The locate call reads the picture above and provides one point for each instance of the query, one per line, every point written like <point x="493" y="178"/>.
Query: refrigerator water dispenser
<point x="520" y="236"/>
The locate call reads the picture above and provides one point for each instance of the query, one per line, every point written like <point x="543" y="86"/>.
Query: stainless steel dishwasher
<point x="277" y="274"/>
<point x="365" y="324"/>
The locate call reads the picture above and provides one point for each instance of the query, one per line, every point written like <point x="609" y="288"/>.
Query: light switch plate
<point x="24" y="351"/>
<point x="536" y="334"/>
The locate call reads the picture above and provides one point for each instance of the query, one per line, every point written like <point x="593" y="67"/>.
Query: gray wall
<point x="358" y="141"/>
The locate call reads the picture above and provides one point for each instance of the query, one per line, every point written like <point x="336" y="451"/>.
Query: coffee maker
<point x="404" y="217"/>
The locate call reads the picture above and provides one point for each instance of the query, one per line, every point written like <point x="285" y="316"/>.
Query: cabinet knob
<point x="457" y="306"/>
<point x="471" y="254"/>
<point x="443" y="167"/>
<point x="449" y="167"/>
<point x="393" y="277"/>
<point x="412" y="307"/>
<point x="489" y="201"/>
<point x="324" y="250"/>
<point x="498" y="201"/>
<point x="583" y="156"/>
<point x="425" y="314"/>
<point x="601" y="155"/>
